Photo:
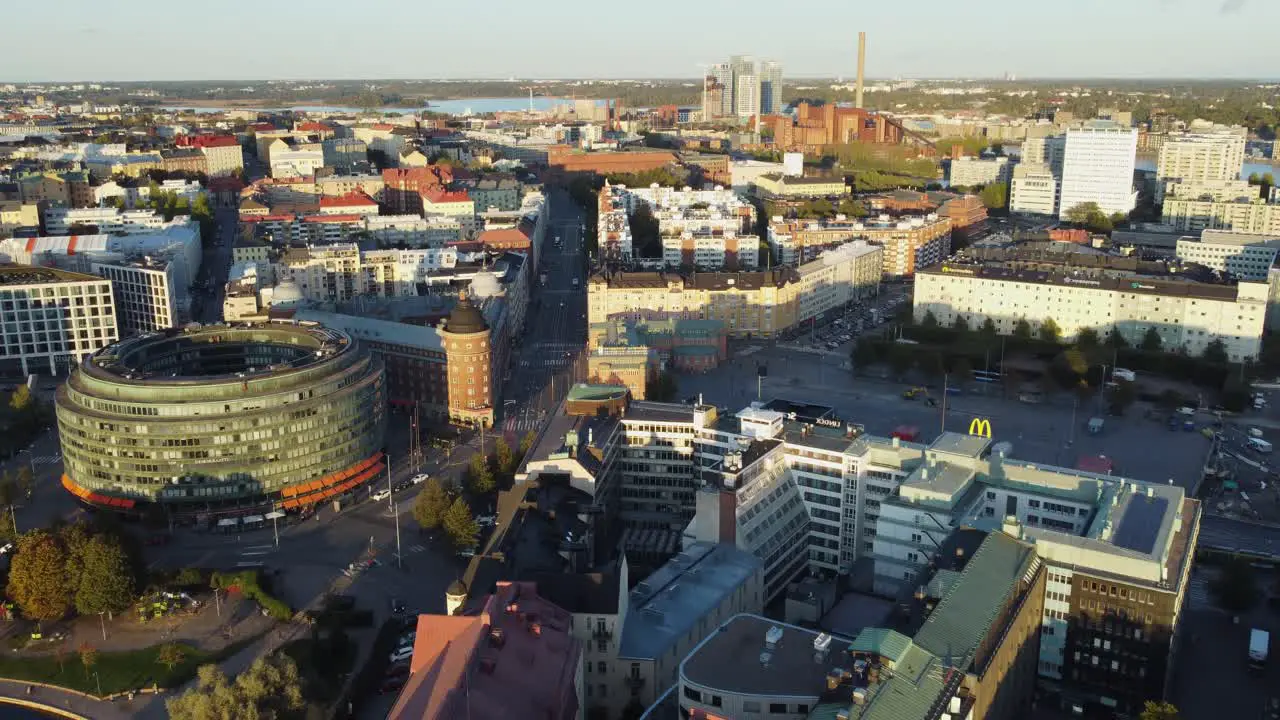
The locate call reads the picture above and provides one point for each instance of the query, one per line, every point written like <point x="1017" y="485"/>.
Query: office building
<point x="1248" y="257"/>
<point x="970" y="172"/>
<point x="1033" y="191"/>
<point x="771" y="102"/>
<point x="908" y="243"/>
<point x="1097" y="167"/>
<point x="1204" y="152"/>
<point x="52" y="319"/>
<point x="515" y="656"/>
<point x="267" y="449"/>
<point x="1117" y="552"/>
<point x="347" y="155"/>
<point x="1187" y="306"/>
<point x="1043" y="147"/>
<point x="150" y="272"/>
<point x="1222" y="191"/>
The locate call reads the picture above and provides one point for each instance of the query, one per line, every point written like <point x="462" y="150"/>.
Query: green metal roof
<point x="910" y="694"/>
<point x="880" y="641"/>
<point x="965" y="614"/>
<point x="585" y="391"/>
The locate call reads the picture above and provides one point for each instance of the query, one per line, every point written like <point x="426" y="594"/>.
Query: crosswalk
<point x="254" y="555"/>
<point x="518" y="424"/>
<point x="47" y="459"/>
<point x="415" y="548"/>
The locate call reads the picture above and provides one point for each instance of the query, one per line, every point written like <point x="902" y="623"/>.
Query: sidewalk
<point x="65" y="701"/>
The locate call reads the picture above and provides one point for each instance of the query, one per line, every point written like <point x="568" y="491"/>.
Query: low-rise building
<point x="514" y="657"/>
<point x="345" y="154"/>
<point x="788" y="187"/>
<point x="971" y="172"/>
<point x="1034" y="191"/>
<point x="223" y="154"/>
<point x="1186" y="307"/>
<point x="502" y="193"/>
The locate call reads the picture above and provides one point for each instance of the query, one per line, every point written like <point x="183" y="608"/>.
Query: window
<point x="716" y="701"/>
<point x="692" y="694"/>
<point x="750" y="706"/>
<point x="777" y="707"/>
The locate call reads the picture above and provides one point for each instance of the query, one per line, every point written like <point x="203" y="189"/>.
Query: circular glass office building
<point x="271" y="416"/>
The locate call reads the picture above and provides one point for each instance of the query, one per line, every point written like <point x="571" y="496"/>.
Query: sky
<point x="140" y="40"/>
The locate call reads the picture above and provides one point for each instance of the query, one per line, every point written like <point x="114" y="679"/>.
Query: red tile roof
<point x="516" y="658"/>
<point x="313" y="127"/>
<point x="506" y="238"/>
<point x="346" y="218"/>
<point x="437" y="196"/>
<point x="355" y="198"/>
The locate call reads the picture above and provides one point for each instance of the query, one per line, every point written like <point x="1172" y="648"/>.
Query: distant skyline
<point x="145" y="40"/>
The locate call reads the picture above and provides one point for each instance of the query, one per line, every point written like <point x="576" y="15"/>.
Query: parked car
<point x="402" y="654"/>
<point x="419" y="478"/>
<point x="381" y="494"/>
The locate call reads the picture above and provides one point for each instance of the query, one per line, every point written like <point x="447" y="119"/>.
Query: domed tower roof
<point x="456" y="589"/>
<point x="465" y="318"/>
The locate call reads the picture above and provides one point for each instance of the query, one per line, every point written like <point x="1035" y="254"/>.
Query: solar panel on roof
<point x="1140" y="523"/>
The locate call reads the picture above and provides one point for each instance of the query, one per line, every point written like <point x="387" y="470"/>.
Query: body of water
<point x="18" y="712"/>
<point x="461" y="106"/>
<point x="1149" y="164"/>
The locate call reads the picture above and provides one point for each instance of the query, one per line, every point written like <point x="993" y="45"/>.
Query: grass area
<point x="117" y="671"/>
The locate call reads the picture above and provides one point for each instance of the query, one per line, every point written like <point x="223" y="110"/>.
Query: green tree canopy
<point x="526" y="443"/>
<point x="929" y="320"/>
<point x="1022" y="330"/>
<point x="107" y="583"/>
<point x="1087" y="338"/>
<point x="432" y="503"/>
<point x="1049" y="331"/>
<point x="995" y="196"/>
<point x="1151" y="341"/>
<point x="20" y="400"/>
<point x="1215" y="351"/>
<point x="479" y="476"/>
<point x="37" y="581"/>
<point x="270" y="688"/>
<point x="989" y="327"/>
<point x="460" y="525"/>
<point x="504" y="458"/>
<point x="1158" y="710"/>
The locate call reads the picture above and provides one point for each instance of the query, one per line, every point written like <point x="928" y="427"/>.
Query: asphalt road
<point x="555" y="328"/>
<point x="206" y="307"/>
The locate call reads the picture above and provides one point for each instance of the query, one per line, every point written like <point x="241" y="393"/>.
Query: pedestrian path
<point x="254" y="555"/>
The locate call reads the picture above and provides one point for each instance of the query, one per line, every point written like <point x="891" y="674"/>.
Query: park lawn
<point x="118" y="671"/>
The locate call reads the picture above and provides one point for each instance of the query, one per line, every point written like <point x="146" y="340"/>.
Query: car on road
<point x="486" y="520"/>
<point x="381" y="495"/>
<point x="467" y="552"/>
<point x="419" y="478"/>
<point x="407" y="639"/>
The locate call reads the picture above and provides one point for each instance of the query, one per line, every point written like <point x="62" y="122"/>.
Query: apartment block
<point x="908" y="242"/>
<point x="972" y="172"/>
<point x="706" y="229"/>
<point x="1253" y="216"/>
<point x="1187" y="306"/>
<point x="1248" y="257"/>
<point x="1203" y="152"/>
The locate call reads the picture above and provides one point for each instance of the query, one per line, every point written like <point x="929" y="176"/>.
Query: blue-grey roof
<point x="674" y="598"/>
<point x="881" y="641"/>
<point x="965" y="614"/>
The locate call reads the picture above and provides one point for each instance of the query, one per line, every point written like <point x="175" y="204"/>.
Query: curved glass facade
<point x="222" y="415"/>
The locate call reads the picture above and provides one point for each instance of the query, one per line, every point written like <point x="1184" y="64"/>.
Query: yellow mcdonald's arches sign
<point x="980" y="427"/>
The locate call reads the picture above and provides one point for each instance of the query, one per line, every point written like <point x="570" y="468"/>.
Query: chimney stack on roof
<point x="862" y="67"/>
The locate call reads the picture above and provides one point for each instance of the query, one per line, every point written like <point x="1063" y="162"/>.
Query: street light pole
<point x="395" y="510"/>
<point x="275" y="528"/>
<point x="103" y="621"/>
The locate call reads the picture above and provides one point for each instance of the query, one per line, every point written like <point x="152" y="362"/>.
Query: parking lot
<point x="837" y="329"/>
<point x="1053" y="431"/>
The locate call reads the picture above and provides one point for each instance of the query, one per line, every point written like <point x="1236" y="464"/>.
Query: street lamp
<point x="98" y="680"/>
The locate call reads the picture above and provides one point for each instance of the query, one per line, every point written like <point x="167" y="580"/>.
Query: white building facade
<point x="1097" y="167"/>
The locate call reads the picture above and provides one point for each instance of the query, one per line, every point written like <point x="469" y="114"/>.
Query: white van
<point x="1259" y="445"/>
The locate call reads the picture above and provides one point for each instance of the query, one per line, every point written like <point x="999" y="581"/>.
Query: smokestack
<point x="862" y="67"/>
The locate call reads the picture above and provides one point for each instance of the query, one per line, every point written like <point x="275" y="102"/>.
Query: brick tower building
<point x="468" y="355"/>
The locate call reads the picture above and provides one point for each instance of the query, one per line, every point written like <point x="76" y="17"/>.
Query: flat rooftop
<point x="668" y="603"/>
<point x="733" y="659"/>
<point x="12" y="275"/>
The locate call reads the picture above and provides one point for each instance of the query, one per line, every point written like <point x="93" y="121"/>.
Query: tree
<point x="1116" y="340"/>
<point x="852" y="208"/>
<point x="504" y="459"/>
<point x="170" y="655"/>
<point x="107" y="584"/>
<point x="1079" y="214"/>
<point x="1022" y="330"/>
<point x="430" y="506"/>
<point x="960" y="325"/>
<point x="1215" y="352"/>
<point x="1158" y="710"/>
<point x="526" y="443"/>
<point x="1049" y="331"/>
<point x="930" y="320"/>
<point x="26" y="481"/>
<point x="270" y="688"/>
<point x="1235" y="587"/>
<point x="1087" y="339"/>
<point x="1151" y="341"/>
<point x="479" y="476"/>
<point x="663" y="388"/>
<point x="460" y="525"/>
<point x="21" y="401"/>
<point x="37" y="577"/>
<point x="989" y="327"/>
<point x="88" y="657"/>
<point x="995" y="196"/>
